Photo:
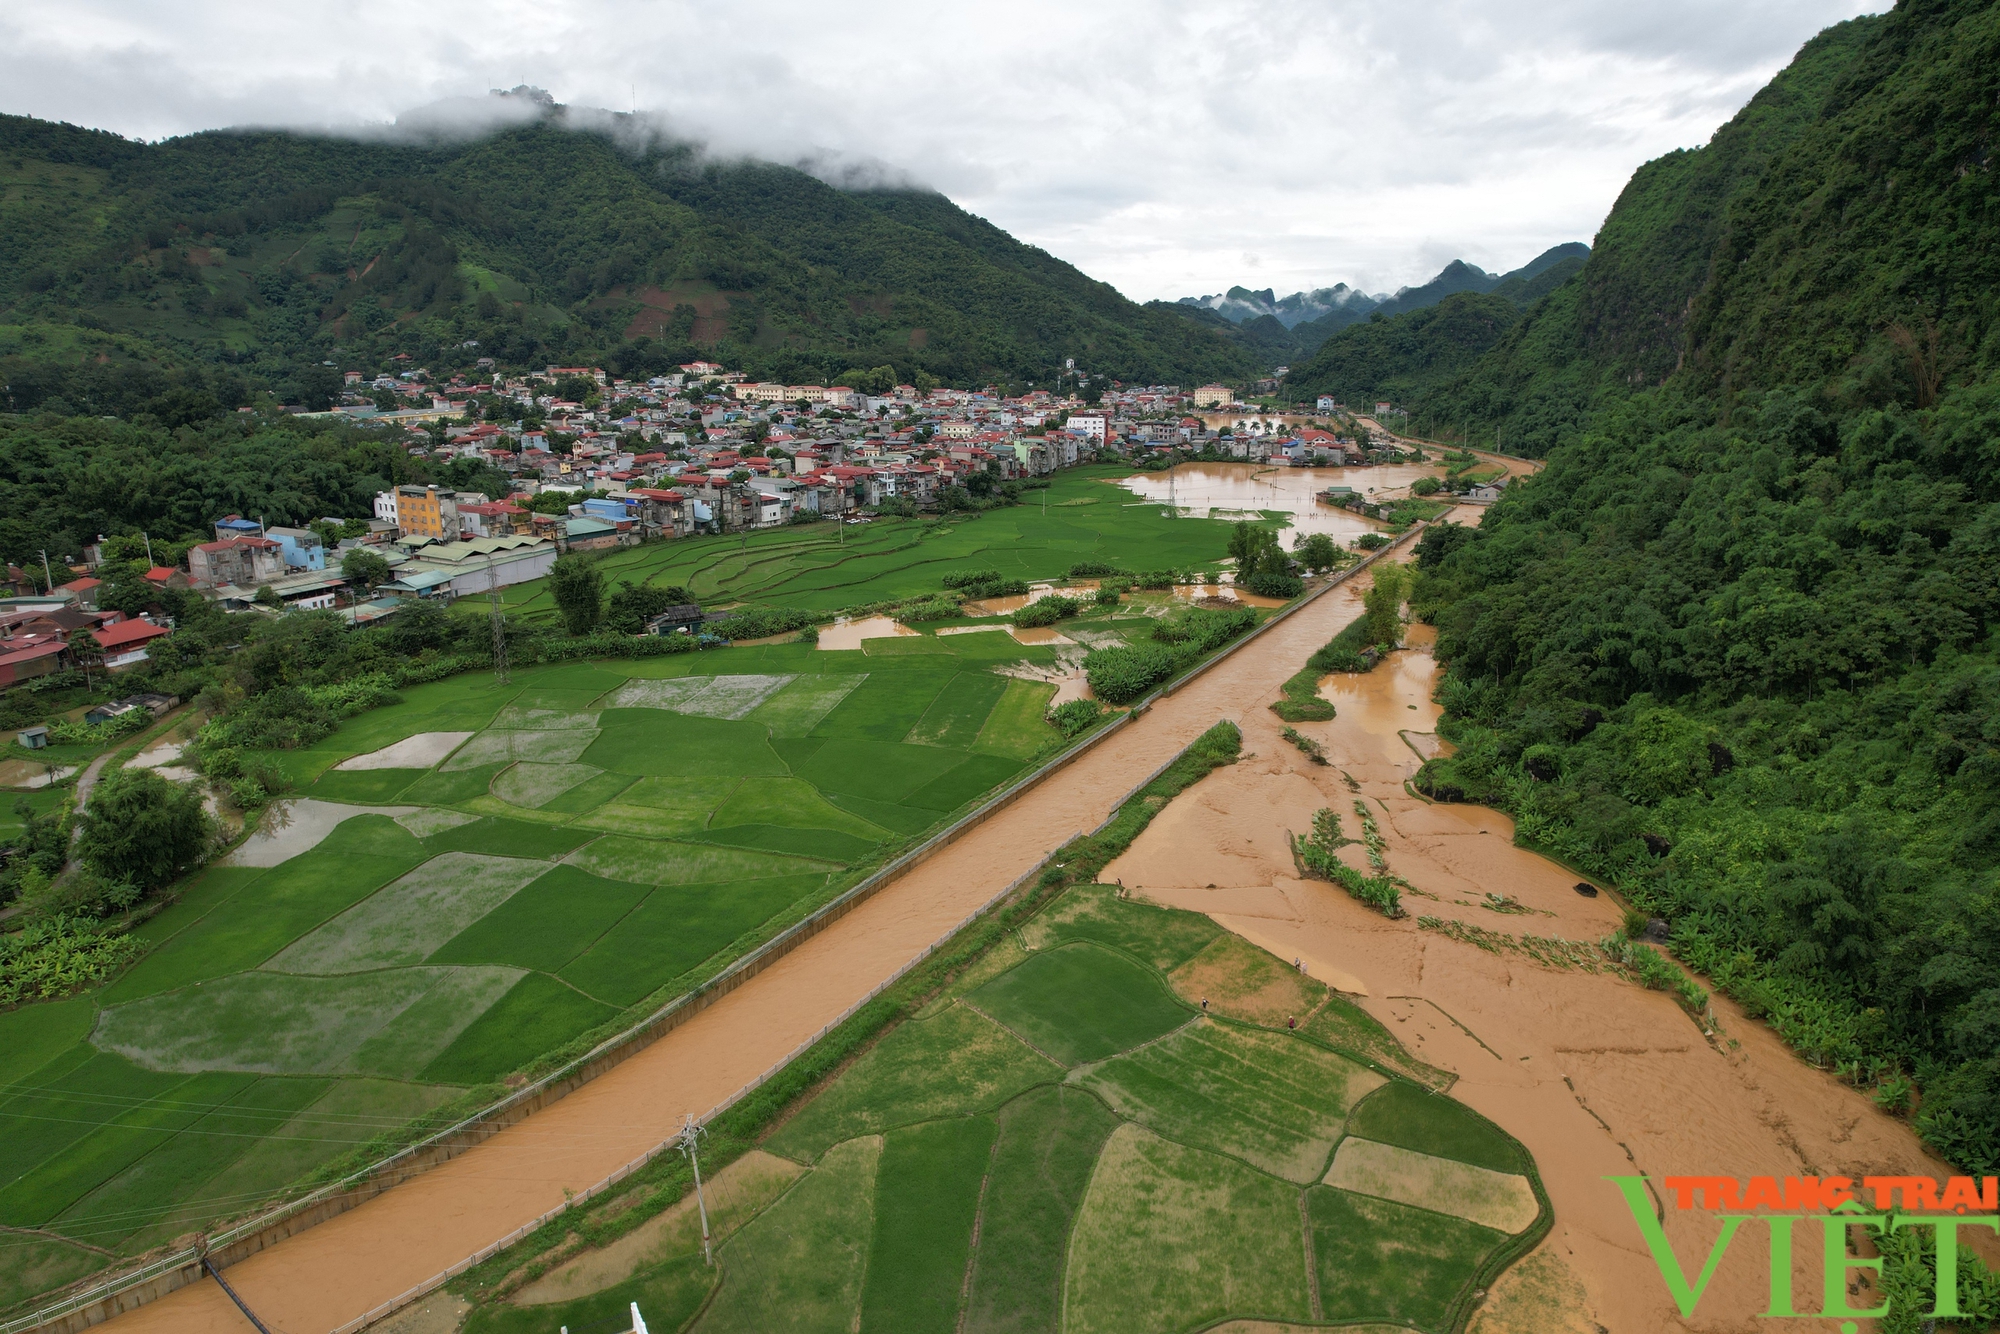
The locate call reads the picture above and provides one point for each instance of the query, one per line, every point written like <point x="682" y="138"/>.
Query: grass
<point x="1497" y="1200"/>
<point x="651" y="861"/>
<point x="669" y="1295"/>
<point x="1018" y="725"/>
<point x="819" y="569"/>
<point x="650" y="741"/>
<point x="1415" y="1118"/>
<point x="1267" y="1098"/>
<point x="959" y="713"/>
<point x="797" y="708"/>
<point x="538" y="1014"/>
<point x="926" y="1195"/>
<point x="33" y="1035"/>
<point x="409" y="919"/>
<point x="131" y="1201"/>
<point x="790" y="801"/>
<point x="674" y="929"/>
<point x="1345" y="1026"/>
<point x="956" y="787"/>
<point x="507" y="838"/>
<point x="1170" y="1237"/>
<point x="547" y="924"/>
<point x="799" y="1264"/>
<point x="1049" y="1142"/>
<point x="1163" y="937"/>
<point x="278" y="1023"/>
<point x="1240" y="981"/>
<point x="953" y="1064"/>
<point x="275" y="911"/>
<point x="1386" y="1261"/>
<point x="1081" y="1003"/>
<point x="538" y="784"/>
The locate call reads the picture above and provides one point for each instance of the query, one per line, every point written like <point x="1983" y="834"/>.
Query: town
<point x="591" y="462"/>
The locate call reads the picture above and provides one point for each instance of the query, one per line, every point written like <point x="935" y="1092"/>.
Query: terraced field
<point x="468" y="881"/>
<point x="1087" y="517"/>
<point x="1070" y="1140"/>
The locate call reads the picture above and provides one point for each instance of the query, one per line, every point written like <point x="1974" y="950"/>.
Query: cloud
<point x="1156" y="145"/>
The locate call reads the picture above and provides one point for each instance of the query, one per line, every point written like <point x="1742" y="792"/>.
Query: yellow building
<point x="425" y="511"/>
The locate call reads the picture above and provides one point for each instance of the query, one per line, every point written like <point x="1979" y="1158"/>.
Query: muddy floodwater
<point x="848" y="632"/>
<point x="1597" y="1076"/>
<point x="1247" y="490"/>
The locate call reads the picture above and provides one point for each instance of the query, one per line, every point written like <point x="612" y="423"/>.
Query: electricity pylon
<point x="690" y="1137"/>
<point x="499" y="621"/>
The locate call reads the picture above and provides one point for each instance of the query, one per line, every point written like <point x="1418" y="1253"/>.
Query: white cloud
<point x="1169" y="148"/>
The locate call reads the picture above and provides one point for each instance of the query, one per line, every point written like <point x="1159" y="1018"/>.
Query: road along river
<point x="330" y="1274"/>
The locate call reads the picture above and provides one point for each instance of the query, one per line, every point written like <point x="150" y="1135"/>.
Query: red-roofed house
<point x="125" y="643"/>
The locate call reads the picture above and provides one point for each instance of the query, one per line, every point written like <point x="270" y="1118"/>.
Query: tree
<point x="365" y="568"/>
<point x="83" y="646"/>
<point x="1318" y="552"/>
<point x="142" y="829"/>
<point x="578" y="588"/>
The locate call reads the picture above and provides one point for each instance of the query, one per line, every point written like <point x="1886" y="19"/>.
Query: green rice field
<point x="1063" y="1142"/>
<point x="577" y="846"/>
<point x="1088" y="517"/>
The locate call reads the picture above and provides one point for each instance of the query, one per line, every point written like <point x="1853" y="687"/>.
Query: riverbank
<point x="1597" y="1076"/>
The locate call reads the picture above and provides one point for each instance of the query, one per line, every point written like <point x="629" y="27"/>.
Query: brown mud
<point x="329" y="1274"/>
<point x="1595" y="1075"/>
<point x="1248" y="490"/>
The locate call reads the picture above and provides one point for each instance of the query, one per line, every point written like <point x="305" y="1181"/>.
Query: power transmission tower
<point x="690" y="1136"/>
<point x="499" y="621"/>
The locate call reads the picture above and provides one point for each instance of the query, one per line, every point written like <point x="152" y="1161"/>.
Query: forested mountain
<point x="1735" y="648"/>
<point x="245" y="258"/>
<point x="1412" y="358"/>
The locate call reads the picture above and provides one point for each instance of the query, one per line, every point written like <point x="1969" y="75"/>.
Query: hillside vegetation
<point x="1734" y="648"/>
<point x="250" y="257"/>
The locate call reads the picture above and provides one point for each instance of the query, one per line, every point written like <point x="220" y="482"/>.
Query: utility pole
<point x="149" y="549"/>
<point x="48" y="578"/>
<point x="690" y="1136"/>
<point x="499" y="621"/>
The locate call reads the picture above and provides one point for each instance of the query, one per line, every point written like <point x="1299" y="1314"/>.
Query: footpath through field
<point x="332" y="1273"/>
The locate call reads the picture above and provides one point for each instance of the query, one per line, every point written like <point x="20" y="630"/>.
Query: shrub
<point x="1121" y="675"/>
<point x="1047" y="611"/>
<point x="942" y="607"/>
<point x="968" y="578"/>
<point x="1093" y="569"/>
<point x="1371" y="542"/>
<point x="1076" y="717"/>
<point x="1317" y="857"/>
<point x="1302" y="703"/>
<point x="58" y="955"/>
<point x="1310" y="748"/>
<point x="1276" y="584"/>
<point x="754" y="623"/>
<point x="1108" y="597"/>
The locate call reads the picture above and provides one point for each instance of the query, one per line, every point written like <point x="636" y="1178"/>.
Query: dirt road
<point x="332" y="1273"/>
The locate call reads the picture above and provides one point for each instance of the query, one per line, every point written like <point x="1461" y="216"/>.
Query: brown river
<point x="1596" y="1076"/>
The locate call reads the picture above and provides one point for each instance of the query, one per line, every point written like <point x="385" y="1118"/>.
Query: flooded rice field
<point x="1246" y="490"/>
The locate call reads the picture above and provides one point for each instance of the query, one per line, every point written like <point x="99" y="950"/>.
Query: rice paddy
<point x="480" y="876"/>
<point x="1064" y="1141"/>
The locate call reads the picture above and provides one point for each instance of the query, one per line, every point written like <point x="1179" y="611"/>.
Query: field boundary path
<point x="359" y="1255"/>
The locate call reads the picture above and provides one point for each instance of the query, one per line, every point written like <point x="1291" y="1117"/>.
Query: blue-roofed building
<point x="235" y="526"/>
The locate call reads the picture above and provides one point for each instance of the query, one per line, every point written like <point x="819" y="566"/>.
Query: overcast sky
<point x="1169" y="148"/>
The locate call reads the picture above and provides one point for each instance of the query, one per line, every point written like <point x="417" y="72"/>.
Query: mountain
<point x="1736" y="649"/>
<point x="1289" y="330"/>
<point x="246" y="258"/>
<point x="1239" y="304"/>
